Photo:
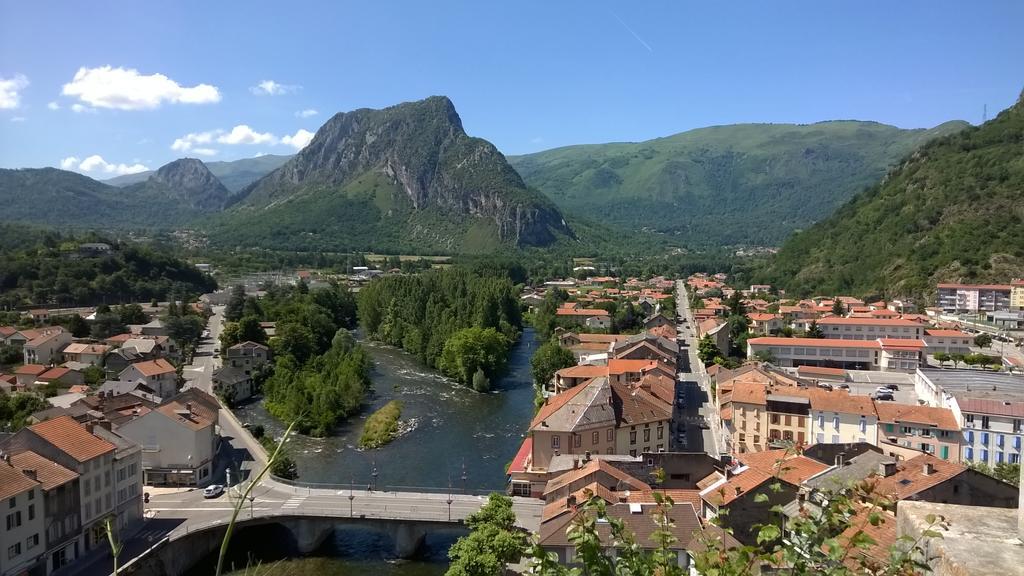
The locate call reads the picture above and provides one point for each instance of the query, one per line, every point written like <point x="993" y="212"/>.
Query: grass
<point x="382" y="426"/>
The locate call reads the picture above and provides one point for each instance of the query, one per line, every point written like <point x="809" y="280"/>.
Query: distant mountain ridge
<point x="234" y="174"/>
<point x="407" y="176"/>
<point x="737" y="184"/>
<point x="952" y="211"/>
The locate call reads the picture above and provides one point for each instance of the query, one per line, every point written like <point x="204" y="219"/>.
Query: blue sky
<point x="78" y="79"/>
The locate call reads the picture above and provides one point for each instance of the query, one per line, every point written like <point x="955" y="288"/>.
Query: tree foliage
<point x="493" y="543"/>
<point x="548" y="359"/>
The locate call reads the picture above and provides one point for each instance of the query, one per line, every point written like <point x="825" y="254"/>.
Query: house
<point x="178" y="440"/>
<point x="39" y="315"/>
<point x="61" y="506"/>
<point x="658" y="320"/>
<point x="884" y="354"/>
<point x="1017" y="294"/>
<point x="73" y="446"/>
<point x="47" y="346"/>
<point x="86" y="353"/>
<point x="247" y="356"/>
<point x="62" y="376"/>
<point x="988" y="407"/>
<point x="631" y="371"/>
<point x="932" y="479"/>
<point x="154" y="328"/>
<point x="870" y="328"/>
<point x="232" y="384"/>
<point x="589" y="317"/>
<point x="664" y="349"/>
<point x="127" y="474"/>
<point x="159" y="375"/>
<point x="119" y="359"/>
<point x="28" y="374"/>
<point x="642" y="420"/>
<point x="718" y="330"/>
<point x="118" y="387"/>
<point x="765" y="324"/>
<point x="573" y="376"/>
<point x="948" y="341"/>
<point x="23" y="540"/>
<point x="930" y="429"/>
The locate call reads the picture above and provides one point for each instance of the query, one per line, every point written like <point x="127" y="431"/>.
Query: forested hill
<point x="738" y="184"/>
<point x="403" y="178"/>
<point x="954" y="211"/>
<point x="54" y="272"/>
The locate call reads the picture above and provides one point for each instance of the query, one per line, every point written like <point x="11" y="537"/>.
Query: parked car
<point x="843" y="386"/>
<point x="883" y="396"/>
<point x="824" y="385"/>
<point x="892" y="386"/>
<point x="213" y="491"/>
<point x="883" y="390"/>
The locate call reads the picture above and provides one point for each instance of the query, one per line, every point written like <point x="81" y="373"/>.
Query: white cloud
<point x="306" y="113"/>
<point x="10" y="91"/>
<point x="271" y="88"/>
<point x="186" y="142"/>
<point x="96" y="163"/>
<point x="242" y="134"/>
<point x="127" y="89"/>
<point x="299" y="140"/>
<point x="18" y="119"/>
<point x="53" y="106"/>
<point x="80" y="108"/>
<point x="205" y="151"/>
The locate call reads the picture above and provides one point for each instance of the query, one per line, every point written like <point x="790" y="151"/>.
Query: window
<point x="999" y="440"/>
<point x="595" y="437"/>
<point x="835" y="422"/>
<point x="647" y="435"/>
<point x="984" y="422"/>
<point x="969" y="418"/>
<point x="944" y="452"/>
<point x="32" y="542"/>
<point x="789" y="420"/>
<point x="835" y="439"/>
<point x="821" y="420"/>
<point x="969" y="453"/>
<point x="577" y="440"/>
<point x="661" y="432"/>
<point x="12" y="502"/>
<point x="969" y="435"/>
<point x="14" y="550"/>
<point x="31" y="512"/>
<point x="999" y="457"/>
<point x="820" y="438"/>
<point x="556" y="441"/>
<point x="863" y="424"/>
<point x="632" y="437"/>
<point x="984" y="438"/>
<point x="984" y="456"/>
<point x="32" y="494"/>
<point x="13" y="520"/>
<point x="757" y="439"/>
<point x="632" y="453"/>
<point x="743" y="437"/>
<point x="774" y="418"/>
<point x="908" y="430"/>
<point x="611" y="435"/>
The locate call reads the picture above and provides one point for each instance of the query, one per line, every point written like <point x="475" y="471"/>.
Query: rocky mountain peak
<point x="191" y="180"/>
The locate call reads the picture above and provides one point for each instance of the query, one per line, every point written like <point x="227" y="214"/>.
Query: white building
<point x="948" y="341"/>
<point x="974" y="297"/>
<point x="870" y="328"/>
<point x="159" y="375"/>
<point x="22" y="533"/>
<point x="902" y="355"/>
<point x="989" y="407"/>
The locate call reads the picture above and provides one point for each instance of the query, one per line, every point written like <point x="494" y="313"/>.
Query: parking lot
<point x="865" y="382"/>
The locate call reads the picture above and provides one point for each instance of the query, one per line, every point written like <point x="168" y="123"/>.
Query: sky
<point x="111" y="87"/>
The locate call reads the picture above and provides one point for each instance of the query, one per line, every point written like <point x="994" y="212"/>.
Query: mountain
<point x="235" y="175"/>
<point x="952" y="211"/>
<point x="176" y="195"/>
<point x="738" y="184"/>
<point x="404" y="178"/>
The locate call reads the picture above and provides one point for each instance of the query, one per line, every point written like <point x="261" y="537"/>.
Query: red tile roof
<point x="71" y="438"/>
<point x="835" y="320"/>
<point x="792" y="468"/>
<point x="31" y="369"/>
<point x="553" y="403"/>
<point x="947" y="334"/>
<point x="519" y="460"/>
<point x="941" y="418"/>
<point x="13" y="481"/>
<point x="48" y="473"/>
<point x="588" y="312"/>
<point x="910" y="478"/>
<point x="154" y="367"/>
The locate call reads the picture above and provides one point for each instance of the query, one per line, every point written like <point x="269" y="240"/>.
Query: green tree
<point x="837" y="308"/>
<point x="941" y="357"/>
<point x="548" y="359"/>
<point x="814" y="331"/>
<point x="983" y="340"/>
<point x="707" y="349"/>
<point x="494" y="541"/>
<point x="249" y="330"/>
<point x="481" y="383"/>
<point x="78" y="327"/>
<point x="735" y="304"/>
<point x="474" y="348"/>
<point x="107" y="325"/>
<point x="236" y="303"/>
<point x="131" y="314"/>
<point x="765" y="356"/>
<point x="957" y="358"/>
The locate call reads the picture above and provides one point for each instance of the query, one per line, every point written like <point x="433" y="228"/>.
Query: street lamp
<point x="351" y="496"/>
<point x="449" y="497"/>
<point x="373" y="484"/>
<point x="251" y="500"/>
<point x="463" y="475"/>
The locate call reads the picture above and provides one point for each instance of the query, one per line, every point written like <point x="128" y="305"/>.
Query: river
<point x="454" y="432"/>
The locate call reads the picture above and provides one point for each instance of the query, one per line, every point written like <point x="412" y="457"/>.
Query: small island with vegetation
<point x="382" y="426"/>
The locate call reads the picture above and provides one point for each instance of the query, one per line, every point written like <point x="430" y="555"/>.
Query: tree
<point x="10" y="355"/>
<point x="735" y="304"/>
<point x="131" y="314"/>
<point x="481" y="383"/>
<point x="249" y="330"/>
<point x="107" y="325"/>
<point x="837" y="308"/>
<point x="78" y="327"/>
<point x="983" y="340"/>
<point x="814" y="331"/>
<point x="474" y="348"/>
<point x="765" y="356"/>
<point x="707" y="349"/>
<point x="548" y="359"/>
<point x="941" y="357"/>
<point x="236" y="303"/>
<point x="957" y="358"/>
<point x="493" y="541"/>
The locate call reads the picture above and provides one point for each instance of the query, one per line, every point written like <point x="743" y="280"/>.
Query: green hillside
<point x="234" y="174"/>
<point x="954" y="211"/>
<point x="739" y="184"/>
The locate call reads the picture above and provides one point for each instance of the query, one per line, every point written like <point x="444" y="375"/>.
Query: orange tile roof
<point x="583" y="371"/>
<point x="884" y="536"/>
<point x="48" y="473"/>
<point x="553" y="403"/>
<point x="624" y="365"/>
<point x="947" y="334"/>
<point x="31" y="369"/>
<point x="792" y="468"/>
<point x="582" y="312"/>
<point x="901" y="344"/>
<point x="595" y="465"/>
<point x="154" y="367"/>
<point x="71" y="438"/>
<point x="836" y="401"/>
<point x="54" y="373"/>
<point x="836" y="320"/>
<point x="941" y="418"/>
<point x="13" y="481"/>
<point x="749" y="393"/>
<point x="813" y="342"/>
<point x="910" y="478"/>
<point x="735" y="487"/>
<point x="762" y="317"/>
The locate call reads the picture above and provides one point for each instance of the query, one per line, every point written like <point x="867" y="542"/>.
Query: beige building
<point x="948" y="341"/>
<point x="22" y="534"/>
<point x="46" y="347"/>
<point x="159" y="375"/>
<point x="929" y="429"/>
<point x="884" y="354"/>
<point x="1017" y="294"/>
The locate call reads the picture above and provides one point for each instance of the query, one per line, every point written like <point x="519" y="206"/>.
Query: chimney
<point x="586" y="456"/>
<point x="570" y="501"/>
<point x="105" y="424"/>
<point x="188" y="406"/>
<point x="928" y="469"/>
<point x="575" y="462"/>
<point x="90" y="426"/>
<point x="31" y="473"/>
<point x="887" y="469"/>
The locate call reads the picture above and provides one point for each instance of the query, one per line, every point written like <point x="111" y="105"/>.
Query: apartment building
<point x="22" y="533"/>
<point x="974" y="298"/>
<point x="930" y="429"/>
<point x="159" y="375"/>
<point x="61" y="505"/>
<point x="46" y="346"/>
<point x="988" y="406"/>
<point x="870" y="328"/>
<point x="948" y="341"/>
<point x="885" y="354"/>
<point x="1017" y="294"/>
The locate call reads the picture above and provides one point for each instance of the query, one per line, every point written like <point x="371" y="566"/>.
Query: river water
<point x="453" y="433"/>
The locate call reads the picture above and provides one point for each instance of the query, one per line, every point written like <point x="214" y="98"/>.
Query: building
<point x="589" y="317"/>
<point x="86" y="353"/>
<point x="247" y="356"/>
<point x="28" y="374"/>
<point x="948" y="341"/>
<point x="232" y="384"/>
<point x="1017" y="294"/>
<point x="932" y="479"/>
<point x="764" y="323"/>
<point x="71" y="445"/>
<point x="61" y="506"/>
<point x="870" y="328"/>
<point x="974" y="298"/>
<point x="46" y="347"/>
<point x="127" y="472"/>
<point x="885" y="354"/>
<point x="23" y="535"/>
<point x="159" y="375"/>
<point x="178" y="440"/>
<point x="930" y="429"/>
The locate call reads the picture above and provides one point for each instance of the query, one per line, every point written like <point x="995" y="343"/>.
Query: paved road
<point x="693" y="388"/>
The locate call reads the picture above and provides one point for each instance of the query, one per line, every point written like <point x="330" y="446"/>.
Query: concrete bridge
<point x="303" y="518"/>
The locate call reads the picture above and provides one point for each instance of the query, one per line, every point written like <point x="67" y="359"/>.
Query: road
<point x="693" y="389"/>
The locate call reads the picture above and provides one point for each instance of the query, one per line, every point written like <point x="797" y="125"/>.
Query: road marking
<point x="294" y="502"/>
<point x="197" y="509"/>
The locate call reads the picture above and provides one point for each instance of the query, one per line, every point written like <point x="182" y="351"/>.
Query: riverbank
<point x="382" y="426"/>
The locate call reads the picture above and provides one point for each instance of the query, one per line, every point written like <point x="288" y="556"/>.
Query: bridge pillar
<point x="310" y="533"/>
<point x="408" y="539"/>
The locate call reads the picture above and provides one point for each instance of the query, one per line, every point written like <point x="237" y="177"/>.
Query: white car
<point x="213" y="490"/>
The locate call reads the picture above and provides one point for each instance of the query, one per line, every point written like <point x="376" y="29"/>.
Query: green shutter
<point x="889" y="428"/>
<point x="944" y="452"/>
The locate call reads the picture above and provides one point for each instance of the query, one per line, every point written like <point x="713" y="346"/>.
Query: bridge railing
<point x="307" y="487"/>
